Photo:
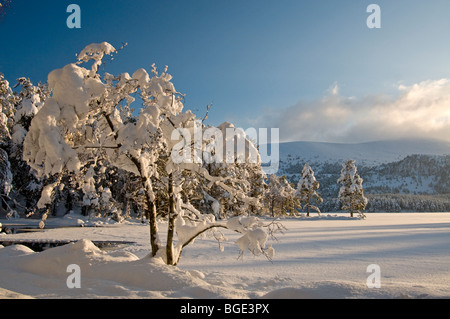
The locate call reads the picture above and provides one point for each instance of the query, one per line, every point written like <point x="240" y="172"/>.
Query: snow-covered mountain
<point x="367" y="154"/>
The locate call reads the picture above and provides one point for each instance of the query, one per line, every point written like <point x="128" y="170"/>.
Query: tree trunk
<point x="307" y="206"/>
<point x="151" y="208"/>
<point x="351" y="207"/>
<point x="151" y="213"/>
<point x="271" y="207"/>
<point x="171" y="224"/>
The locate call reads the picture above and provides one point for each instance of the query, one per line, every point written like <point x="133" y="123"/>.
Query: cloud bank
<point x="418" y="111"/>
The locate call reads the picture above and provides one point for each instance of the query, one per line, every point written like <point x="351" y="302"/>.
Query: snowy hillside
<point x="368" y="154"/>
<point x="407" y="168"/>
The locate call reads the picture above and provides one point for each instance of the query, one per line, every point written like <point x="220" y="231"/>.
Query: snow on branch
<point x="96" y="52"/>
<point x="254" y="237"/>
<point x="254" y="234"/>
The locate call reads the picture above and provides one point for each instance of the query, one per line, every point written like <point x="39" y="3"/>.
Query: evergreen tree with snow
<point x="7" y="104"/>
<point x="351" y="193"/>
<point x="307" y="190"/>
<point x="274" y="193"/>
<point x="30" y="99"/>
<point x="8" y="100"/>
<point x="281" y="196"/>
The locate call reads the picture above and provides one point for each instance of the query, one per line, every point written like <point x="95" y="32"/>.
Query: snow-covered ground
<point x="323" y="257"/>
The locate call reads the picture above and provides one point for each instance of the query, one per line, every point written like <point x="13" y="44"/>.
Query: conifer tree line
<point x="285" y="199"/>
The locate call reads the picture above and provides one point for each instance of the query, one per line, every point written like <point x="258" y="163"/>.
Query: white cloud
<point x="421" y="110"/>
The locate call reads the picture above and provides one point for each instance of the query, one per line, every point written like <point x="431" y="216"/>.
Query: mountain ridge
<point x="366" y="153"/>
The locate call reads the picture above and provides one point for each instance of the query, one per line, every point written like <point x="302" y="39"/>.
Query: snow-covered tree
<point x="30" y="99"/>
<point x="281" y="196"/>
<point x="351" y="193"/>
<point x="7" y="104"/>
<point x="86" y="120"/>
<point x="257" y="188"/>
<point x="8" y="100"/>
<point x="307" y="190"/>
<point x="291" y="201"/>
<point x="241" y="173"/>
<point x="274" y="193"/>
<point x="230" y="146"/>
<point x="5" y="176"/>
<point x="13" y="109"/>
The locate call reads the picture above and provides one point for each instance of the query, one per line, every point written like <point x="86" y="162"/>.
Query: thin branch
<point x="208" y="107"/>
<point x="110" y="124"/>
<point x="95" y="146"/>
<point x="274" y="227"/>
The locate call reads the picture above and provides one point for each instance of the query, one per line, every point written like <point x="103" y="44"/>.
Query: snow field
<point x="317" y="257"/>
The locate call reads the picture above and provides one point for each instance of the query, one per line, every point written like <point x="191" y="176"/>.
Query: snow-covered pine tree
<point x="273" y="193"/>
<point x="256" y="178"/>
<point x="5" y="178"/>
<point x="307" y="190"/>
<point x="30" y="100"/>
<point x="8" y="100"/>
<point x="7" y="104"/>
<point x="351" y="193"/>
<point x="291" y="202"/>
<point x="281" y="196"/>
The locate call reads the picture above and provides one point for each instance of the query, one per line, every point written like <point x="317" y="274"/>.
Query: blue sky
<point x="259" y="62"/>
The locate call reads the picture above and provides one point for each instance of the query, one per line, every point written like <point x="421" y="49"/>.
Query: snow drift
<point x="103" y="274"/>
<point x="318" y="257"/>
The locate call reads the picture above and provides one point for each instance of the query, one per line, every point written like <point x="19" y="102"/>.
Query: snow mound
<point x="291" y="293"/>
<point x="319" y="290"/>
<point x="102" y="274"/>
<point x="347" y="290"/>
<point x="14" y="250"/>
<point x="7" y="294"/>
